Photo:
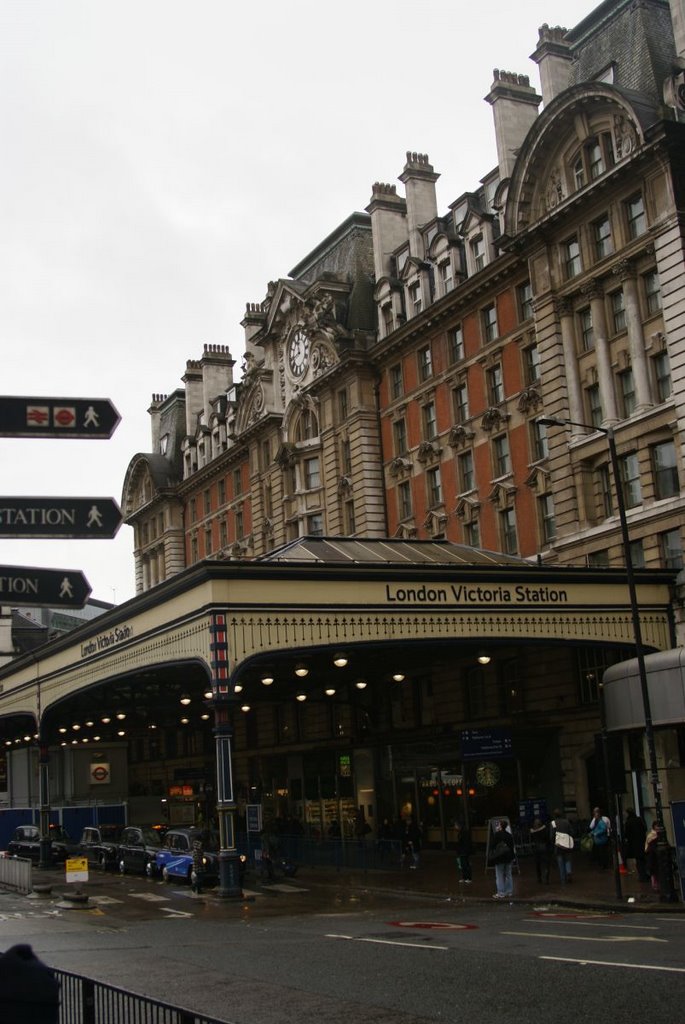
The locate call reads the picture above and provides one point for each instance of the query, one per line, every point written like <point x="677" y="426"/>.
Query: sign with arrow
<point x="53" y="588"/>
<point x="57" y="417"/>
<point x="80" y="518"/>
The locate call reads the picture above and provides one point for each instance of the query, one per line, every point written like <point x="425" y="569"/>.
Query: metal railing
<point x="84" y="1001"/>
<point x="16" y="873"/>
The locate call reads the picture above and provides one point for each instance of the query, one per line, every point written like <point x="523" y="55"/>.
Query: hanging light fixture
<point x="185" y="721"/>
<point x="340" y="660"/>
<point x="361" y="684"/>
<point x="121" y="716"/>
<point x="483" y="658"/>
<point x="106" y="720"/>
<point x="301" y="697"/>
<point x="330" y="691"/>
<point x="237" y="688"/>
<point x="267" y="680"/>
<point x="185" y="699"/>
<point x="399" y="677"/>
<point x="208" y="695"/>
<point x="301" y="671"/>
<point x="245" y="707"/>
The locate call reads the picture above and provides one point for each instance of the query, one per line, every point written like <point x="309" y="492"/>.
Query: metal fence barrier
<point x="16" y="873"/>
<point x="84" y="1001"/>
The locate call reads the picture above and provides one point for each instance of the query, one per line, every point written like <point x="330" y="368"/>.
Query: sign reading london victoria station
<point x="476" y="593"/>
<point x="82" y="518"/>
<point x="57" y="417"/>
<point x="56" y="588"/>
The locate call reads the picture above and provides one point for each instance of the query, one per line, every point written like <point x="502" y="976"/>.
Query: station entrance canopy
<point x="231" y="620"/>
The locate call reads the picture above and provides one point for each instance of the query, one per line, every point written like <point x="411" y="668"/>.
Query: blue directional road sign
<point x="57" y="417"/>
<point x="53" y="588"/>
<point x="82" y="518"/>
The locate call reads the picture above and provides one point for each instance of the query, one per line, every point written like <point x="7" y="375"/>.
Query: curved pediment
<point x="557" y="161"/>
<point x="147" y="474"/>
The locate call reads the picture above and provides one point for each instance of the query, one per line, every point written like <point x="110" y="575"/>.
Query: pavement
<point x="437" y="876"/>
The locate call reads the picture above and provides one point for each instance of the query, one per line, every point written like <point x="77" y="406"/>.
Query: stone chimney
<point x="192" y="379"/>
<point x="678" y="20"/>
<point x="252" y="323"/>
<point x="217" y="374"/>
<point x="514" y="105"/>
<point x="553" y="56"/>
<point x="422" y="206"/>
<point x="155" y="416"/>
<point x="388" y="226"/>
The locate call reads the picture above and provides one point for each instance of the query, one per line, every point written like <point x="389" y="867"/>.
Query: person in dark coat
<point x="635" y="835"/>
<point x="29" y="990"/>
<point x="464" y="849"/>
<point x="502" y="855"/>
<point x="541" y="841"/>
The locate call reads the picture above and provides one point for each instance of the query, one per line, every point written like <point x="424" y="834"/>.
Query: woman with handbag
<point x="562" y="838"/>
<point x="502" y="857"/>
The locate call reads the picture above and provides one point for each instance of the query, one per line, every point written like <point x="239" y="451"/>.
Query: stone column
<point x="627" y="274"/>
<point x="564" y="310"/>
<point x="593" y="291"/>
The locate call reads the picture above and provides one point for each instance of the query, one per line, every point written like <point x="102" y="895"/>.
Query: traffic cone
<point x="622" y="869"/>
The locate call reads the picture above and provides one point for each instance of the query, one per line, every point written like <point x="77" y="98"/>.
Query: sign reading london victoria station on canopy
<point x="57" y="417"/>
<point x="81" y="518"/>
<point x="56" y="588"/>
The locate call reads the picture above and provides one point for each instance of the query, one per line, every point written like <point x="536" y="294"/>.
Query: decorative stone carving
<point x="493" y="418"/>
<point x="624" y="269"/>
<point x="344" y="485"/>
<point x="427" y="451"/>
<point x="625" y="136"/>
<point x="435" y="521"/>
<point x="537" y="479"/>
<point x="459" y="436"/>
<point x="405" y="531"/>
<point x="400" y="466"/>
<point x="529" y="399"/>
<point x="554" y="194"/>
<point x="285" y="456"/>
<point x="502" y="495"/>
<point x="467" y="509"/>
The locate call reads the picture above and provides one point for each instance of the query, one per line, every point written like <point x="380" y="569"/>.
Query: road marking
<point x="588" y="938"/>
<point x="445" y="926"/>
<point x="103" y="900"/>
<point x="284" y="887"/>
<point x="386" y="942"/>
<point x="601" y="924"/>
<point x="172" y="912"/>
<point x="611" y="963"/>
<point x="150" y="897"/>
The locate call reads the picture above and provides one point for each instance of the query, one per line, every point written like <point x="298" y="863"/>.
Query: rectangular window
<point x="221" y="491"/>
<point x="223" y="534"/>
<point x="315" y="525"/>
<point x="472" y="533"/>
<point x="430" y="426"/>
<point x="446" y="276"/>
<point x="266" y="454"/>
<point x="495" y="384"/>
<point x="206" y="502"/>
<point x="601" y="232"/>
<point x="415" y="298"/>
<point x="587" y="330"/>
<point x="239" y="527"/>
<point x="193" y="510"/>
<point x="605" y="481"/>
<point x="208" y="541"/>
<point x="425" y="363"/>
<point x="501" y="457"/>
<point x="456" y="344"/>
<point x="579" y="173"/>
<point x="635" y="215"/>
<point x="461" y="403"/>
<point x="572" y="262"/>
<point x="507" y="527"/>
<point x="662" y="375"/>
<point x="478" y="253"/>
<point x="618" y="311"/>
<point x="434" y="487"/>
<point x="598" y="559"/>
<point x="539" y="440"/>
<point x="388" y="321"/>
<point x="524" y="294"/>
<point x="652" y="292"/>
<point x="404" y="502"/>
<point x="237" y="482"/>
<point x="349" y="518"/>
<point x="489" y="319"/>
<point x="194" y="551"/>
<point x="666" y="484"/>
<point x="312" y="473"/>
<point x="595" y="159"/>
<point x="594" y="404"/>
<point x="671" y="543"/>
<point x="548" y="526"/>
<point x="467" y="480"/>
<point x="637" y="554"/>
<point x="396" y="381"/>
<point x="342" y="405"/>
<point x="399" y="430"/>
<point x="531" y="362"/>
<point x="626" y="386"/>
<point x="630" y="479"/>
<point x="346" y="458"/>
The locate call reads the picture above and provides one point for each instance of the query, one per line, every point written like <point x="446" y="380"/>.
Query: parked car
<point x="175" y="859"/>
<point x="100" y="844"/>
<point x="26" y="843"/>
<point x="138" y="849"/>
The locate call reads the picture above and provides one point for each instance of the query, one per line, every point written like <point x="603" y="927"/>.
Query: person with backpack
<point x="600" y="830"/>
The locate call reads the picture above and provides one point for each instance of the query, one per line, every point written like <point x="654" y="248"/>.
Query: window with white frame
<point x="630" y="479"/>
<point x="495" y="384"/>
<point x="594" y="405"/>
<point x="618" y="311"/>
<point x="671" y="544"/>
<point x="489" y="321"/>
<point x="524" y="294"/>
<point x="635" y="216"/>
<point x="415" y="298"/>
<point x="399" y="430"/>
<point x="571" y="257"/>
<point x="539" y="441"/>
<point x="315" y="524"/>
<point x="626" y="388"/>
<point x="425" y="363"/>
<point x="472" y="533"/>
<point x="430" y="426"/>
<point x="604" y="477"/>
<point x="404" y="501"/>
<point x="662" y="375"/>
<point x="446" y="275"/>
<point x="434" y="487"/>
<point x="548" y="526"/>
<point x="312" y="473"/>
<point x="478" y="253"/>
<point x="396" y="381"/>
<point x="460" y="395"/>
<point x="307" y="426"/>
<point x="587" y="330"/>
<point x="531" y="362"/>
<point x="455" y="339"/>
<point x="507" y="529"/>
<point x="665" y="469"/>
<point x="650" y="282"/>
<point x="501" y="457"/>
<point x="601" y="233"/>
<point x="467" y="477"/>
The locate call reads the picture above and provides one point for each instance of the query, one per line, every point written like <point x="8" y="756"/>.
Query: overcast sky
<point x="162" y="161"/>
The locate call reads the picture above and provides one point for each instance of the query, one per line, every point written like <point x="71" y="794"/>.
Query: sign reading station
<point x="56" y="588"/>
<point x="82" y="518"/>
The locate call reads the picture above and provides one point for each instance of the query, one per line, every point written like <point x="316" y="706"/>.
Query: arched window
<point x="307" y="426"/>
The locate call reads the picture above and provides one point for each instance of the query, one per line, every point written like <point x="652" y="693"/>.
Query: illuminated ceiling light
<point x="27" y="739"/>
<point x="8" y="743"/>
<point x="64" y="743"/>
<point x="85" y="740"/>
<point x="76" y="727"/>
<point x="121" y="732"/>
<point x="399" y="677"/>
<point x="267" y="680"/>
<point x="483" y="658"/>
<point x="106" y="720"/>
<point x="205" y="717"/>
<point x="90" y="724"/>
<point x="184" y="721"/>
<point x="329" y="691"/>
<point x="237" y="688"/>
<point x="73" y="742"/>
<point x="185" y="700"/>
<point x="361" y="684"/>
<point x="301" y="671"/>
<point x="96" y="739"/>
<point x="340" y="660"/>
<point x="18" y="740"/>
<point x="300" y="696"/>
<point x="152" y="725"/>
<point x="121" y="716"/>
<point x="245" y="707"/>
<point x="208" y="695"/>
<point x="62" y="728"/>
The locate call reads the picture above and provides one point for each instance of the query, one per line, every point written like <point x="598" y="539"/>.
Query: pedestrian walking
<point x="563" y="843"/>
<point x="198" y="866"/>
<point x="541" y="842"/>
<point x="464" y="849"/>
<point x="502" y="857"/>
<point x="600" y="830"/>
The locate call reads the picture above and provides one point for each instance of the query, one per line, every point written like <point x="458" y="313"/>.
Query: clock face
<point x="487" y="773"/>
<point x="298" y="352"/>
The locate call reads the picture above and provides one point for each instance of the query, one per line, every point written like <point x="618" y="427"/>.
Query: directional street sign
<point x="54" y="588"/>
<point x="82" y="518"/>
<point x="57" y="417"/>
